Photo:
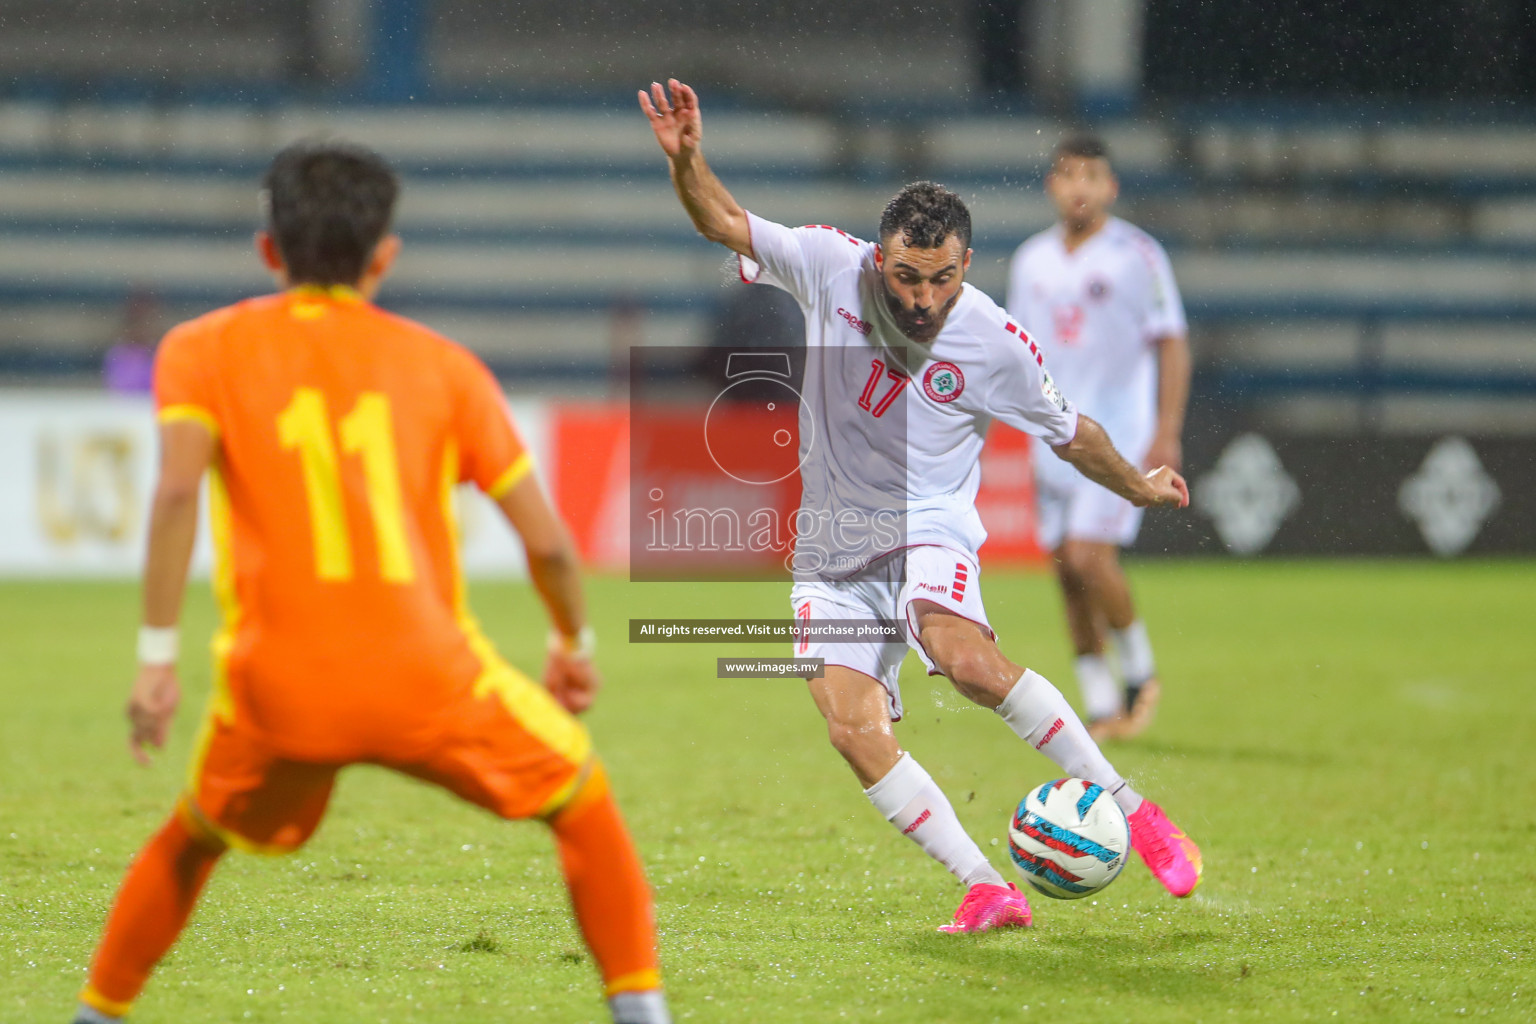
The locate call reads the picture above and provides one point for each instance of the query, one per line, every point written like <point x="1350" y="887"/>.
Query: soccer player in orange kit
<point x="333" y="434"/>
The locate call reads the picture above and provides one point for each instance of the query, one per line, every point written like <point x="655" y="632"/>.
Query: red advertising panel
<point x="704" y="492"/>
<point x="1006" y="500"/>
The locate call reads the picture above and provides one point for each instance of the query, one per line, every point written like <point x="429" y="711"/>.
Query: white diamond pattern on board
<point x="1247" y="494"/>
<point x="1450" y="497"/>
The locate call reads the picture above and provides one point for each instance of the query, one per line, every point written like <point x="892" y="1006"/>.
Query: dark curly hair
<point x="1082" y="144"/>
<point x="327" y="206"/>
<point x="924" y="214"/>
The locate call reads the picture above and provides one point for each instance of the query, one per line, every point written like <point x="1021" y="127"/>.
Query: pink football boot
<point x="1171" y="856"/>
<point x="986" y="907"/>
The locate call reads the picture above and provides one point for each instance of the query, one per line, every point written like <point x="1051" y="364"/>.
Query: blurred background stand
<point x="1348" y="193"/>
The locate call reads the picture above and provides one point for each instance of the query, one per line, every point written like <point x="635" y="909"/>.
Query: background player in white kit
<point x="906" y="367"/>
<point x="1099" y="297"/>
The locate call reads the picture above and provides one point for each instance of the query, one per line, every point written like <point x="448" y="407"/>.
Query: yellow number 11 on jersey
<point x="367" y="431"/>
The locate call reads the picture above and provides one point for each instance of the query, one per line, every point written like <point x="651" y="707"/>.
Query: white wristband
<point x="581" y="647"/>
<point x="158" y="645"/>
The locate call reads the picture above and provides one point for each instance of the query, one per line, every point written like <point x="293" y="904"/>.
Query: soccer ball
<point x="1069" y="839"/>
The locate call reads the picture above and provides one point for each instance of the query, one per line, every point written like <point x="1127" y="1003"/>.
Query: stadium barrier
<point x="79" y="468"/>
<point x="1259" y="492"/>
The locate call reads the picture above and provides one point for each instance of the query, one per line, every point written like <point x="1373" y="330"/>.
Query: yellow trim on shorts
<point x="521" y="467"/>
<point x="199" y="822"/>
<point x="221" y="706"/>
<point x="647" y="980"/>
<point x="526" y="701"/>
<point x="187" y="412"/>
<point x="587" y="786"/>
<point x="194" y="822"/>
<point x="96" y="1001"/>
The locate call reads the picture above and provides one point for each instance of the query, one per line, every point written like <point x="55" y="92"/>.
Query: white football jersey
<point x="1096" y="312"/>
<point x="891" y="431"/>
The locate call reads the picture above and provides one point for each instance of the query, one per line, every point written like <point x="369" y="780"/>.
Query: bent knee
<point x="849" y="738"/>
<point x="869" y="748"/>
<point x="973" y="664"/>
<point x="960" y="656"/>
<point x="1075" y="567"/>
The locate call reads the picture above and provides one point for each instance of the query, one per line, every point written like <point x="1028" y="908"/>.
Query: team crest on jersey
<point x="1098" y="289"/>
<point x="1051" y="391"/>
<point x="943" y="382"/>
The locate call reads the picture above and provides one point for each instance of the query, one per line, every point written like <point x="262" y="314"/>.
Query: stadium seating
<point x="1315" y="257"/>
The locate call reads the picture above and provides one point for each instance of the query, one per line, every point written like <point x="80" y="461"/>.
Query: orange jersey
<point x="341" y="432"/>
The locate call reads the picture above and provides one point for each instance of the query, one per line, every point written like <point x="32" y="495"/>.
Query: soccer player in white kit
<point x="1100" y="299"/>
<point x="906" y="367"/>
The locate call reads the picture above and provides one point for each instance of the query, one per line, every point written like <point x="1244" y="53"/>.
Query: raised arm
<point x="1094" y="455"/>
<point x="680" y="129"/>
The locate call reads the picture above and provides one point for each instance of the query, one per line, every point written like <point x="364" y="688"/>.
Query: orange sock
<point x="152" y="907"/>
<point x="608" y="888"/>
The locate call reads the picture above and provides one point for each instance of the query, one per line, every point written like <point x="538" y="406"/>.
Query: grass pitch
<point x="1351" y="743"/>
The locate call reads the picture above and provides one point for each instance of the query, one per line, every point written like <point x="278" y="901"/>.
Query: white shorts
<point x="884" y="591"/>
<point x="1069" y="506"/>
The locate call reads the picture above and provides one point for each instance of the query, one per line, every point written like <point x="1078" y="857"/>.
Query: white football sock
<point x="1135" y="653"/>
<point x="1101" y="694"/>
<point x="913" y="802"/>
<point x="648" y="1007"/>
<point x="1041" y="716"/>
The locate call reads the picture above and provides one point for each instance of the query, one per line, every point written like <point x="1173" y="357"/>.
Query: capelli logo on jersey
<point x="862" y="326"/>
<point x="936" y="588"/>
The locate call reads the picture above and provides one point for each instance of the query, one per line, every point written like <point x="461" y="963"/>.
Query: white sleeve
<point x="1019" y="390"/>
<point x="799" y="260"/>
<point x="1165" y="309"/>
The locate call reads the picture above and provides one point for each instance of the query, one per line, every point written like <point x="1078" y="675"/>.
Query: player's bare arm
<point x="186" y="449"/>
<point x="674" y="116"/>
<point x="1094" y="455"/>
<point x="1173" y="370"/>
<point x="552" y="565"/>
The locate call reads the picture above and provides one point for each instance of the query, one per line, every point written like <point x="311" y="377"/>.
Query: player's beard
<point x="907" y="322"/>
<point x="1080" y="222"/>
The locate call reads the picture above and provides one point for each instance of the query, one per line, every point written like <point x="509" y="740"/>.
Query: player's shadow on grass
<point x="1213" y="752"/>
<point x="1181" y="957"/>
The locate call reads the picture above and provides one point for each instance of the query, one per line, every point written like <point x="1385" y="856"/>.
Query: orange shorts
<point x="509" y="748"/>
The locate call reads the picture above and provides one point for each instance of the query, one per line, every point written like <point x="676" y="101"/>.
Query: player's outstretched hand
<point x="572" y="680"/>
<point x="675" y="120"/>
<point x="1168" y="489"/>
<point x="151" y="706"/>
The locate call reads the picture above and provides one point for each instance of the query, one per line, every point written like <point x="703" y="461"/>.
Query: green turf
<point x="1351" y="743"/>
